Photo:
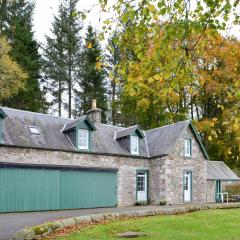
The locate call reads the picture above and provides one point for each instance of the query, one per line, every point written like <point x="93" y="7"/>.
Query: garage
<point x="39" y="188"/>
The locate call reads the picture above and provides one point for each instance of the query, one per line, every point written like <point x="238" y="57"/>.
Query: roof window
<point x="34" y="130"/>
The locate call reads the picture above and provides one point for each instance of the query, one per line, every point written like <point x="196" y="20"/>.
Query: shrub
<point x="233" y="188"/>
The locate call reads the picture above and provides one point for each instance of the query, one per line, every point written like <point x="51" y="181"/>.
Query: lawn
<point x="204" y="225"/>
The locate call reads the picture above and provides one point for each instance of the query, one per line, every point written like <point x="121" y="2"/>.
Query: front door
<point x="142" y="186"/>
<point x="187" y="186"/>
<point x="218" y="191"/>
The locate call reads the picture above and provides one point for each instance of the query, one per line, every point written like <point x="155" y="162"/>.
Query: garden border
<point x="30" y="233"/>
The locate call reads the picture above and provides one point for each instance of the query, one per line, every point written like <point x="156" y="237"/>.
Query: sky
<point x="45" y="9"/>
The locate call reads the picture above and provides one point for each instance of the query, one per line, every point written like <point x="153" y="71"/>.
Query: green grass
<point x="201" y="225"/>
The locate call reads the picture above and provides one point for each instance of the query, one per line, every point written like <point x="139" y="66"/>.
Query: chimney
<point x="94" y="114"/>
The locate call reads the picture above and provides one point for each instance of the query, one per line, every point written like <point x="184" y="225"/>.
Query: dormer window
<point x="83" y="139"/>
<point x="134" y="141"/>
<point x="188" y="148"/>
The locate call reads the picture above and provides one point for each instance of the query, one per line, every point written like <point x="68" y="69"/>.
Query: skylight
<point x="34" y="130"/>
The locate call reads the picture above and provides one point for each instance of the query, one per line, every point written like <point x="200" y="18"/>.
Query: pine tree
<point x="113" y="59"/>
<point x="61" y="55"/>
<point x="91" y="77"/>
<point x="17" y="27"/>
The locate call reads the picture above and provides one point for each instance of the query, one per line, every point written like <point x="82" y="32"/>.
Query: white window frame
<point x="86" y="138"/>
<point x="132" y="138"/>
<point x="188" y="147"/>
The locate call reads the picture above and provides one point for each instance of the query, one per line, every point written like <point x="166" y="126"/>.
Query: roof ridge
<point x="127" y="128"/>
<point x="110" y="125"/>
<point x="45" y="114"/>
<point x="167" y="125"/>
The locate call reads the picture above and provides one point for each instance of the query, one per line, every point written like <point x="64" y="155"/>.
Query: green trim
<point x="191" y="187"/>
<point x="2" y="114"/>
<point x="139" y="133"/>
<point x="86" y="124"/>
<point x="218" y="189"/>
<point x="143" y="171"/>
<point x="1" y="129"/>
<point x="199" y="141"/>
<point x="89" y="123"/>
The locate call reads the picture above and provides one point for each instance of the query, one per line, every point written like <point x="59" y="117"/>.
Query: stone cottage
<point x="51" y="163"/>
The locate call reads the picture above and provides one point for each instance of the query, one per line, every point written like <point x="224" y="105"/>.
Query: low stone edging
<point x="45" y="229"/>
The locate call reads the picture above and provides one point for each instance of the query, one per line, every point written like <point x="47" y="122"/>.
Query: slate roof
<point x="160" y="140"/>
<point x="157" y="142"/>
<point x="127" y="131"/>
<point x="217" y="170"/>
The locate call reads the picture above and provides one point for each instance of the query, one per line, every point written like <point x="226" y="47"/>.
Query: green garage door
<point x="25" y="189"/>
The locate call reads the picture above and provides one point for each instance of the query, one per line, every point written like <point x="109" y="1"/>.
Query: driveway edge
<point x="30" y="233"/>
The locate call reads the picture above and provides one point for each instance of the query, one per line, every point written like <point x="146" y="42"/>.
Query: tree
<point x="3" y="6"/>
<point x="12" y="78"/>
<point x="91" y="82"/>
<point x="217" y="96"/>
<point x="202" y="85"/>
<point x="112" y="60"/>
<point x="18" y="30"/>
<point x="61" y="55"/>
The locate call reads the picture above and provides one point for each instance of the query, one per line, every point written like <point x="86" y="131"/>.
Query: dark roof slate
<point x="128" y="131"/>
<point x="72" y="124"/>
<point x="218" y="170"/>
<point x="157" y="142"/>
<point x="160" y="140"/>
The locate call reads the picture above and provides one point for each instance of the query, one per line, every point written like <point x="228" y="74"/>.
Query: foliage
<point x="17" y="27"/>
<point x="233" y="188"/>
<point x="61" y="55"/>
<point x="216" y="96"/>
<point x="201" y="225"/>
<point x="112" y="59"/>
<point x="91" y="82"/>
<point x="12" y="78"/>
<point x="165" y="84"/>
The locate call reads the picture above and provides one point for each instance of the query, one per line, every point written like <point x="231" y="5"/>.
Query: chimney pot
<point x="94" y="114"/>
<point x="94" y="103"/>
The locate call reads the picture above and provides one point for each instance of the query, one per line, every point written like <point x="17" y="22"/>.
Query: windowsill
<point x="188" y="157"/>
<point x="135" y="154"/>
<point x="84" y="150"/>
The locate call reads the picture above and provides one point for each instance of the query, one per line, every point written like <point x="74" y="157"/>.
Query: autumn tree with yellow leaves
<point x="12" y="78"/>
<point x="165" y="84"/>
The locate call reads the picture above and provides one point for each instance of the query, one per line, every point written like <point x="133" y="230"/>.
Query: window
<point x="83" y="139"/>
<point x="141" y="182"/>
<point x="34" y="130"/>
<point x="188" y="147"/>
<point x="134" y="145"/>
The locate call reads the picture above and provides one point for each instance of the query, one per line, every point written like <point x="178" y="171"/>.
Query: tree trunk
<point x="59" y="98"/>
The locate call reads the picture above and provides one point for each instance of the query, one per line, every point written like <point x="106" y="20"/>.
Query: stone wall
<point x="165" y="174"/>
<point x="211" y="187"/>
<point x="126" y="166"/>
<point x="177" y="163"/>
<point x="157" y="180"/>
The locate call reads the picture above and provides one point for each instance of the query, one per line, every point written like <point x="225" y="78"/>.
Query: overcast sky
<point x="45" y="9"/>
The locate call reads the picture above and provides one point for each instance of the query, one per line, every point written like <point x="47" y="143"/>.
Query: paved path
<point x="12" y="222"/>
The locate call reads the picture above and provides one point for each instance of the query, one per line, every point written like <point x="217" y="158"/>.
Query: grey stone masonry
<point x="177" y="163"/>
<point x="127" y="167"/>
<point x="211" y="186"/>
<point x="165" y="173"/>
